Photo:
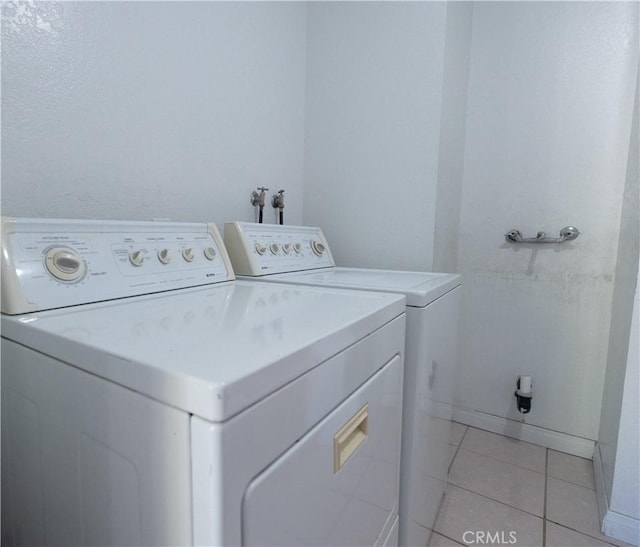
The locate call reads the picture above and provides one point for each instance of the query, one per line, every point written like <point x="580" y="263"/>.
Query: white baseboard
<point x="622" y="527"/>
<point x="601" y="489"/>
<point x="615" y="525"/>
<point x="562" y="442"/>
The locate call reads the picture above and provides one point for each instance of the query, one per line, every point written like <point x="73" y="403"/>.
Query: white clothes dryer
<point x="300" y="255"/>
<point x="150" y="399"/>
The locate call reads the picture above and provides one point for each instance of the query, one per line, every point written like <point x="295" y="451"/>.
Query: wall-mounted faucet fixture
<point x="567" y="233"/>
<point x="258" y="199"/>
<point x="278" y="203"/>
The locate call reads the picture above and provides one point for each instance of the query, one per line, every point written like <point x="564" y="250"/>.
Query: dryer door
<point x="338" y="485"/>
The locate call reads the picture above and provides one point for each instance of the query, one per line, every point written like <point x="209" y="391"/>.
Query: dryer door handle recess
<point x="350" y="436"/>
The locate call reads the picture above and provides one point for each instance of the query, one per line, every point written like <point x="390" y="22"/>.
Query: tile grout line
<point x="445" y="536"/>
<point x="544" y="511"/>
<point x="497" y="501"/>
<point x="503" y="461"/>
<point x="546" y="448"/>
<point x="586" y="534"/>
<point x="455" y="454"/>
<point x="513" y="438"/>
<point x="572" y="483"/>
<point x="545" y="519"/>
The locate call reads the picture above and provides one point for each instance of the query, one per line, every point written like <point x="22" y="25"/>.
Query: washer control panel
<point x="57" y="263"/>
<point x="263" y="249"/>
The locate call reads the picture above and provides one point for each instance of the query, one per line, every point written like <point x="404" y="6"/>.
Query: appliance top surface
<point x="211" y="351"/>
<point x="301" y="255"/>
<point x="420" y="288"/>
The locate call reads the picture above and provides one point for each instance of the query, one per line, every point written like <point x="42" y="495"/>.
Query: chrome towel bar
<point x="567" y="233"/>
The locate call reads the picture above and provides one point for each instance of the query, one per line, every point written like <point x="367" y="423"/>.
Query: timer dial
<point x="317" y="247"/>
<point x="65" y="264"/>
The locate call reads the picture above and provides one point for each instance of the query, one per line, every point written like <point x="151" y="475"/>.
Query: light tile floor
<point x="520" y="493"/>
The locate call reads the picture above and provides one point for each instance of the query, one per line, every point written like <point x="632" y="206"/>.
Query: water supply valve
<point x="523" y="394"/>
<point x="257" y="199"/>
<point x="277" y="201"/>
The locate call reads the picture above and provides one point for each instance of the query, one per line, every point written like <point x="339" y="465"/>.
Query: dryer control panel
<point x="264" y="249"/>
<point x="56" y="263"/>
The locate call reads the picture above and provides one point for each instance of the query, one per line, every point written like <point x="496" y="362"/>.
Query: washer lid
<point x="209" y="351"/>
<point x="420" y="288"/>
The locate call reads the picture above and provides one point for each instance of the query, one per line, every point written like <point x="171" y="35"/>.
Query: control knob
<point x="317" y="247"/>
<point x="136" y="257"/>
<point x="188" y="254"/>
<point x="286" y="248"/>
<point x="164" y="256"/>
<point x="274" y="248"/>
<point x="209" y="253"/>
<point x="297" y="247"/>
<point x="261" y="249"/>
<point x="65" y="264"/>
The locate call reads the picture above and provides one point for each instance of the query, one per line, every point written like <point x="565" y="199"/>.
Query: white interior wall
<point x="548" y="122"/>
<point x="374" y="90"/>
<point x="453" y="121"/>
<point x="625" y="497"/>
<point x="147" y="110"/>
<point x="618" y="438"/>
<point x="141" y="110"/>
<point x="621" y="311"/>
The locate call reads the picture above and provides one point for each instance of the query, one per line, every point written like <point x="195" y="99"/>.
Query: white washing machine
<point x="150" y="399"/>
<point x="300" y="255"/>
